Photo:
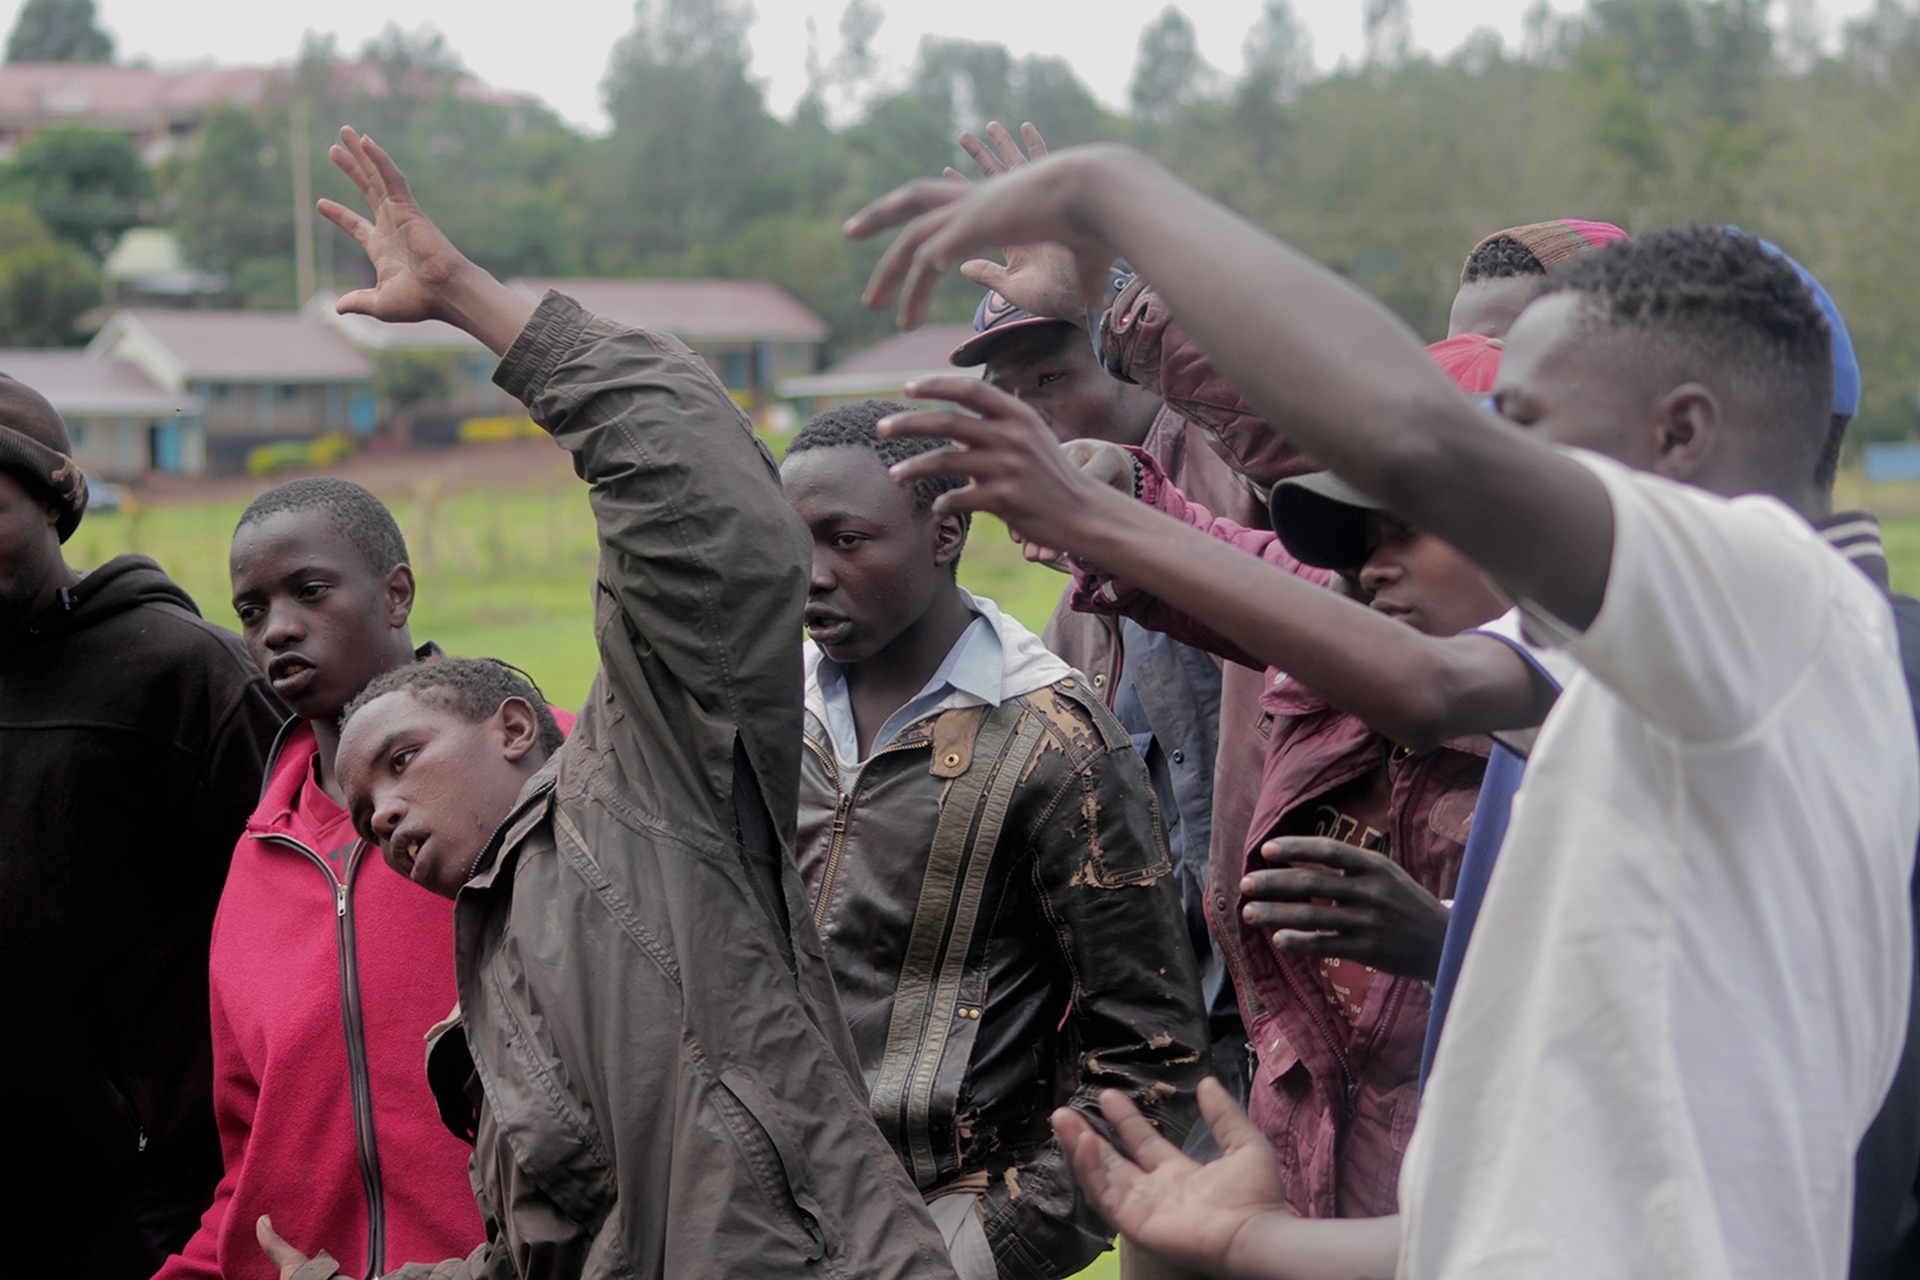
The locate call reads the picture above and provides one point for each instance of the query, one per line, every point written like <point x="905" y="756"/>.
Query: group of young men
<point x="916" y="947"/>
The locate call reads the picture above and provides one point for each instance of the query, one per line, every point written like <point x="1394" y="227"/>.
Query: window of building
<point x="736" y="370"/>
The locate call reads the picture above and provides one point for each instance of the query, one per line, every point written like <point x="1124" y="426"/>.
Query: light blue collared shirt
<point x="972" y="673"/>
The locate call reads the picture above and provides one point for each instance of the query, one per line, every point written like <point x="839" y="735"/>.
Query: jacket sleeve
<point x="703" y="565"/>
<point x="1103" y="873"/>
<point x="1095" y="591"/>
<point x="1141" y="342"/>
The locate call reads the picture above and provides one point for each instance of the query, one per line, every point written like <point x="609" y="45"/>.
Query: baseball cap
<point x="1321" y="519"/>
<point x="996" y="317"/>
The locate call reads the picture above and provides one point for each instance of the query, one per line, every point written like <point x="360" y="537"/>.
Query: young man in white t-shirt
<point x="1689" y="987"/>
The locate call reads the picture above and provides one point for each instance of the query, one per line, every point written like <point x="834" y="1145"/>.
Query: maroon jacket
<point x="1338" y="1110"/>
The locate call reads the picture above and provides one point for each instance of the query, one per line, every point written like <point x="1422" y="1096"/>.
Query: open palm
<point x="1167" y="1203"/>
<point x="413" y="262"/>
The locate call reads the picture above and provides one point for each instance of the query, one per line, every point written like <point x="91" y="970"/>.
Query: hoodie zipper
<point x="359" y="1078"/>
<point x="837" y="836"/>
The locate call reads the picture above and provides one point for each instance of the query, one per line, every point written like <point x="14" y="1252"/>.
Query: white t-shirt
<point x="1687" y="991"/>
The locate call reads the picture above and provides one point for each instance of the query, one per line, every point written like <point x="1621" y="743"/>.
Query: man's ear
<point x="519" y="729"/>
<point x="949" y="538"/>
<point x="399" y="589"/>
<point x="1686" y="429"/>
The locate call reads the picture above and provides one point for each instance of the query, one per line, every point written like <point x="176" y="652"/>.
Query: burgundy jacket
<point x="1338" y="1110"/>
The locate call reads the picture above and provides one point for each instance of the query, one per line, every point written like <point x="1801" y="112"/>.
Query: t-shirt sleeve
<point x="1556" y="664"/>
<point x="1713" y="607"/>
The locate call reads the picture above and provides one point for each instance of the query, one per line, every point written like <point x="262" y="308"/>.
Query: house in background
<point x="148" y="266"/>
<point x="882" y="370"/>
<point x="263" y="377"/>
<point x="456" y="360"/>
<point x="751" y="333"/>
<point x="122" y="423"/>
<point x="161" y="111"/>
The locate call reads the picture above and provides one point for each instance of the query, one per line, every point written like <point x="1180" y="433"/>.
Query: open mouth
<point x="826" y="629"/>
<point x="406" y="854"/>
<point x="289" y="673"/>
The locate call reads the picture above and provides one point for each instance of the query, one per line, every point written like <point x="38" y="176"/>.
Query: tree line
<point x="1645" y="113"/>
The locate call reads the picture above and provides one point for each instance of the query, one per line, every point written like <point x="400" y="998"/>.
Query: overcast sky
<point x="557" y="49"/>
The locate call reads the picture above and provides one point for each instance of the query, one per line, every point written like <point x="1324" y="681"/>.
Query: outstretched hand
<point x="1037" y="277"/>
<point x="413" y="262"/>
<point x="1203" y="1216"/>
<point x="946" y="221"/>
<point x="1363" y="906"/>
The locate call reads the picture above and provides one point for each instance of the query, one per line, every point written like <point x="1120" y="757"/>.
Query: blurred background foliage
<point x="1642" y="112"/>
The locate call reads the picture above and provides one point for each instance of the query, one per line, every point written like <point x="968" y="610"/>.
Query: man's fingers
<point x="278" y="1251"/>
<point x="392" y="180"/>
<point x="347" y="220"/>
<point x="932" y="465"/>
<point x="357" y="302"/>
<point x="1232" y="1128"/>
<point x="375" y="188"/>
<point x="902" y="205"/>
<point x="1138" y="1138"/>
<point x="1323" y="850"/>
<point x="1104" y="1173"/>
<point x="976" y="394"/>
<point x="1310" y="918"/>
<point x="981" y="154"/>
<point x="1298" y="884"/>
<point x="1036" y="145"/>
<point x="984" y="272"/>
<point x="952" y="174"/>
<point x="345" y="161"/>
<point x="1003" y="143"/>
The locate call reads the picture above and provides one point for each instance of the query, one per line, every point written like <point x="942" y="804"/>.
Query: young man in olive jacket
<point x="651" y="1060"/>
<point x="132" y="738"/>
<point x="986" y="860"/>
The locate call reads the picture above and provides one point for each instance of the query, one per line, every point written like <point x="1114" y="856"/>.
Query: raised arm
<point x="1328" y="366"/>
<point x="1416" y="689"/>
<point x="701" y="556"/>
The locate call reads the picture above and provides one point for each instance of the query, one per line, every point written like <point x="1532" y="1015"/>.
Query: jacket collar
<point x="1856" y="535"/>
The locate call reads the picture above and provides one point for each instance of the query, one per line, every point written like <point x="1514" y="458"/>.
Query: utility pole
<point x="302" y="200"/>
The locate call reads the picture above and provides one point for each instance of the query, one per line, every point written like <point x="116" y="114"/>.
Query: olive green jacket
<point x="662" y="1083"/>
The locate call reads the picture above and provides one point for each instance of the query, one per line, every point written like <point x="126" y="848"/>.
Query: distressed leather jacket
<point x="994" y="892"/>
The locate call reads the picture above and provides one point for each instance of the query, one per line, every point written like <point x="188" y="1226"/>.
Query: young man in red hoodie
<point x="327" y="970"/>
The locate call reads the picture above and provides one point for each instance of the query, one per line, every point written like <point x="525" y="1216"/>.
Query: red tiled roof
<point x="250" y="346"/>
<point x="714" y="310"/>
<point x="90" y="92"/>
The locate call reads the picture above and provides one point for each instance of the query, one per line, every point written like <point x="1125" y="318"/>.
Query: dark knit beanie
<point x="35" y="449"/>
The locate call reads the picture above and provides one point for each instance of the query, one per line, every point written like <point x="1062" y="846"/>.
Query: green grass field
<point x="509" y="574"/>
<point x="501" y="574"/>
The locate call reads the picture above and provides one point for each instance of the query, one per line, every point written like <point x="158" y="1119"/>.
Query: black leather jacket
<point x="1066" y="905"/>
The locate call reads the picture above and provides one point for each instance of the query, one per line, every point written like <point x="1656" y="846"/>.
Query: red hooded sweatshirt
<point x="327" y="971"/>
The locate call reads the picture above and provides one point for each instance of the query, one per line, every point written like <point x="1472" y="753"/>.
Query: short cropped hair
<point x="858" y="423"/>
<point x="1499" y="258"/>
<point x="1721" y="310"/>
<point x="471" y="688"/>
<point x="356" y="515"/>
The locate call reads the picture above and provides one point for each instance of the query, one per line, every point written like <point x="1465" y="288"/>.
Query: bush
<point x="289" y="455"/>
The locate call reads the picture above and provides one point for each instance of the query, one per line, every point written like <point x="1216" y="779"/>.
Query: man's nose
<point x="387" y="816"/>
<point x="1378" y="571"/>
<point x="820" y="577"/>
<point x="283" y="628"/>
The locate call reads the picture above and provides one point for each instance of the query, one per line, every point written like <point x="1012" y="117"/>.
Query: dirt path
<point x="516" y="464"/>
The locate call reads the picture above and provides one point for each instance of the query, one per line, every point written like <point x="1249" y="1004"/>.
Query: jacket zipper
<point x="837" y="837"/>
<point x="359" y="1078"/>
